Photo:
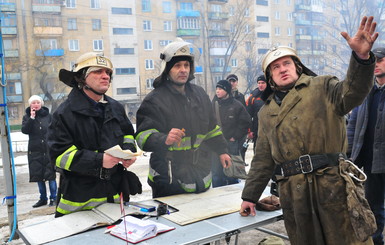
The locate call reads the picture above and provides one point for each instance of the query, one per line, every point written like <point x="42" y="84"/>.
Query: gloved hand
<point x="269" y="203"/>
<point x="130" y="185"/>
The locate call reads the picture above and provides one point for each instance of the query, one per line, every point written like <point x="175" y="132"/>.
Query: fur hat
<point x="225" y="85"/>
<point x="35" y="97"/>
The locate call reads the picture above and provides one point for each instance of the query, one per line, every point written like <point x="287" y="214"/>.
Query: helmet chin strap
<point x="92" y="90"/>
<point x="381" y="75"/>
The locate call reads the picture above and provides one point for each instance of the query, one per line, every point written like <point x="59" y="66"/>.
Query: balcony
<point x="50" y="52"/>
<point x="219" y="69"/>
<point x="11" y="53"/>
<point x="218" y="33"/>
<point x="7" y="7"/>
<point x="46" y="8"/>
<point x="311" y="8"/>
<point x="14" y="98"/>
<point x="9" y="30"/>
<point x="14" y="76"/>
<point x="188" y="13"/>
<point x="307" y="37"/>
<point x="188" y="32"/>
<point x="218" y="1"/>
<point x="219" y="51"/>
<point x="218" y="15"/>
<point x="48" y="31"/>
<point x="310" y="52"/>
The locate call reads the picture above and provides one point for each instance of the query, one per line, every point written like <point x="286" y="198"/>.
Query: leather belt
<point x="308" y="163"/>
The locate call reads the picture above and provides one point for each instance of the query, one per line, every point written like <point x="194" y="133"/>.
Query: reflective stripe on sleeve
<point x="142" y="137"/>
<point x="64" y="160"/>
<point x="129" y="139"/>
<point x="66" y="206"/>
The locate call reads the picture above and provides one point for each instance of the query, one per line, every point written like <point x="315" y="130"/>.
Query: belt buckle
<point x="310" y="163"/>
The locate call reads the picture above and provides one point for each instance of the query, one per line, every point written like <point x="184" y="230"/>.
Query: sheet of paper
<point x="196" y="207"/>
<point x="117" y="151"/>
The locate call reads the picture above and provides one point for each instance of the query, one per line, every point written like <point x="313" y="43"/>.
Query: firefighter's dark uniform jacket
<point x="183" y="167"/>
<point x="310" y="120"/>
<point x="80" y="132"/>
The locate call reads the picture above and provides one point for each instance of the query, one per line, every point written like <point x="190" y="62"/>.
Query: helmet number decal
<point x="100" y="60"/>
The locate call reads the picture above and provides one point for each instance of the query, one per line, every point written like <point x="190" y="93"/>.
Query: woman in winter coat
<point x="35" y="123"/>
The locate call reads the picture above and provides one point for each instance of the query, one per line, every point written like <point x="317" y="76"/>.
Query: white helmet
<point x="278" y="52"/>
<point x="92" y="59"/>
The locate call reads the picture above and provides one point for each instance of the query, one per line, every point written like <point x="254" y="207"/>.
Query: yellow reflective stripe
<point x="184" y="145"/>
<point x="215" y="132"/>
<point x="66" y="206"/>
<point x="129" y="139"/>
<point x="142" y="137"/>
<point x="152" y="174"/>
<point x="192" y="187"/>
<point x="64" y="160"/>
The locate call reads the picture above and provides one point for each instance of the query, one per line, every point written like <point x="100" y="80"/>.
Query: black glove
<point x="130" y="185"/>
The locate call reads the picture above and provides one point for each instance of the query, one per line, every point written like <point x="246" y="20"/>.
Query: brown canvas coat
<point x="310" y="120"/>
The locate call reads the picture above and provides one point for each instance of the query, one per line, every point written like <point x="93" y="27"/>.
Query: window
<point x="217" y="79"/>
<point x="98" y="45"/>
<point x="73" y="45"/>
<point x="124" y="51"/>
<point x="219" y="62"/>
<point x="276" y="1"/>
<point x="126" y="11"/>
<point x="14" y="87"/>
<point x="263" y="34"/>
<point x="188" y="23"/>
<point x="7" y="44"/>
<point x="71" y="24"/>
<point x="147" y="26"/>
<point x="290" y="16"/>
<point x="147" y="44"/>
<point x="248" y="46"/>
<point x="149" y="64"/>
<point x="125" y="71"/>
<point x="126" y="91"/>
<point x="247" y="29"/>
<point x="96" y="24"/>
<point x="164" y="42"/>
<point x="277" y="15"/>
<point x="288" y="2"/>
<point x="262" y="2"/>
<point x="122" y="31"/>
<point x="13" y="112"/>
<point x="216" y="8"/>
<point x="186" y="6"/>
<point x="146" y="5"/>
<point x="166" y="5"/>
<point x="231" y="11"/>
<point x="277" y="31"/>
<point x="167" y="25"/>
<point x="48" y="44"/>
<point x="262" y="51"/>
<point x="289" y="32"/>
<point x="249" y="62"/>
<point x="95" y="4"/>
<point x="247" y="12"/>
<point x="70" y="3"/>
<point x="234" y="62"/>
<point x="263" y="18"/>
<point x="149" y="82"/>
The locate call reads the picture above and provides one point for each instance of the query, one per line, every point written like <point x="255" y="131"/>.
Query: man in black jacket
<point x="83" y="127"/>
<point x="176" y="123"/>
<point x="234" y="120"/>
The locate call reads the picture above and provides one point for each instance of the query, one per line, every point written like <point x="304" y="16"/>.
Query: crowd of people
<point x="295" y="119"/>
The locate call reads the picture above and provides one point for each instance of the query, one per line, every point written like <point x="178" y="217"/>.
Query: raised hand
<point x="362" y="42"/>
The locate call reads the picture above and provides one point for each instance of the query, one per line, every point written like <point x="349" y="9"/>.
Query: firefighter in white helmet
<point x="302" y="130"/>
<point x="86" y="124"/>
<point x="176" y="123"/>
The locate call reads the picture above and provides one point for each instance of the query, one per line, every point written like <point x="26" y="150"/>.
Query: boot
<point x="52" y="202"/>
<point x="40" y="203"/>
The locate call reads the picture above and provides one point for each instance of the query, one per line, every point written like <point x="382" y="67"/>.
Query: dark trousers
<point x="375" y="194"/>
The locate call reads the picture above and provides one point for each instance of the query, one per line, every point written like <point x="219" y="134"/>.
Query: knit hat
<point x="175" y="60"/>
<point x="225" y="85"/>
<point x="261" y="78"/>
<point x="35" y="97"/>
<point x="232" y="77"/>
